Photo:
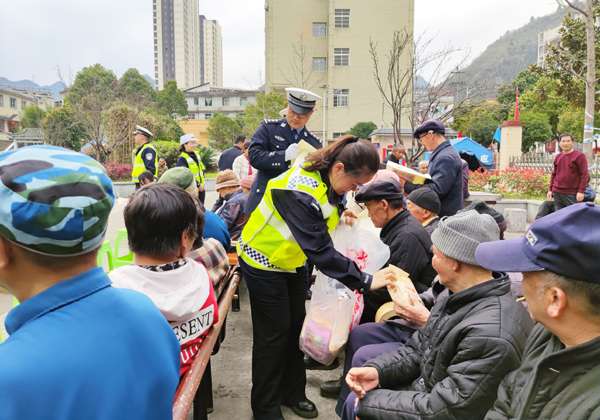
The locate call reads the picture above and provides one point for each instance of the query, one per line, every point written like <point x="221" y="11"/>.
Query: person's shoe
<point x="312" y="364"/>
<point x="305" y="409"/>
<point x="331" y="389"/>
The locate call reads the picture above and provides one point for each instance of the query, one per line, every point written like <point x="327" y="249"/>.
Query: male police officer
<point x="145" y="157"/>
<point x="274" y="146"/>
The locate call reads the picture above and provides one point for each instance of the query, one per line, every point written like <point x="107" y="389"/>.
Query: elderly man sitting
<point x="560" y="261"/>
<point x="474" y="336"/>
<point x="424" y="204"/>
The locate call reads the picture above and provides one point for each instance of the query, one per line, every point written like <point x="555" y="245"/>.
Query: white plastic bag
<point x="328" y="320"/>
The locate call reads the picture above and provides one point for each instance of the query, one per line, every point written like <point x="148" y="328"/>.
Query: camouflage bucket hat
<point x="53" y="201"/>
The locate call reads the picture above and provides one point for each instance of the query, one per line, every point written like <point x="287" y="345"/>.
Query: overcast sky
<point x="37" y="36"/>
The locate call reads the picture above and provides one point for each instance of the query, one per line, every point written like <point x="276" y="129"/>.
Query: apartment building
<point x="323" y="46"/>
<point x="12" y="103"/>
<point x="205" y="100"/>
<point x="176" y="42"/>
<point x="211" y="52"/>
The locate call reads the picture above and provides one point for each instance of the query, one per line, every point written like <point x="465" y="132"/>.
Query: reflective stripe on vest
<point x="196" y="168"/>
<point x="138" y="162"/>
<point x="267" y="242"/>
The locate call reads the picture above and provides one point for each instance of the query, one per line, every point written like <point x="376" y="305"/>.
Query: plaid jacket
<point x="213" y="257"/>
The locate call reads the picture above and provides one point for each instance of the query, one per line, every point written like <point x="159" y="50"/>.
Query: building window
<point x="340" y="97"/>
<point x="195" y="100"/>
<point x="13" y="102"/>
<point x="225" y="101"/>
<point x="341" y="56"/>
<point x="1" y="100"/>
<point x="207" y="116"/>
<point x="319" y="64"/>
<point x="23" y="103"/>
<point x="337" y="134"/>
<point x="342" y="18"/>
<point x="319" y="29"/>
<point x="208" y="102"/>
<point x="243" y="101"/>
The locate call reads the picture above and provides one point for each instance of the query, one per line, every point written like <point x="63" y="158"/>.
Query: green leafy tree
<point x="222" y="130"/>
<point x="62" y="128"/>
<point x="135" y="90"/>
<point x="168" y="150"/>
<point x="32" y="116"/>
<point x="571" y="121"/>
<point x="267" y="105"/>
<point x="536" y="128"/>
<point x="544" y="97"/>
<point x="363" y="130"/>
<point x="162" y="126"/>
<point x="480" y="122"/>
<point x="171" y="100"/>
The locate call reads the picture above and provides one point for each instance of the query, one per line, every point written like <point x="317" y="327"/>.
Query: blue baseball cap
<point x="566" y="242"/>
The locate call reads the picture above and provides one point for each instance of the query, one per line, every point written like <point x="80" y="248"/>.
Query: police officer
<point x="274" y="145"/>
<point x="189" y="158"/>
<point x="290" y="227"/>
<point x="145" y="157"/>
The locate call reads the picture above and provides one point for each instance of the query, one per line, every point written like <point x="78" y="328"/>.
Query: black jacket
<point x="451" y="368"/>
<point x="410" y="249"/>
<point x="267" y="154"/>
<point x="553" y="382"/>
<point x="445" y="168"/>
<point x="227" y="157"/>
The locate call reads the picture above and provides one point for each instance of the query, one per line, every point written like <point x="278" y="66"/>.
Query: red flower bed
<point x="511" y="181"/>
<point x="118" y="171"/>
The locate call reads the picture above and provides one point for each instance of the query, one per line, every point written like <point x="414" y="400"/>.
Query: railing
<point x="545" y="162"/>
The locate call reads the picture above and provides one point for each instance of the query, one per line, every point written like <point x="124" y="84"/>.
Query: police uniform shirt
<point x="148" y="157"/>
<point x="267" y="153"/>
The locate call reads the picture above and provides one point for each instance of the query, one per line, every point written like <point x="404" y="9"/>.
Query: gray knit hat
<point x="457" y="236"/>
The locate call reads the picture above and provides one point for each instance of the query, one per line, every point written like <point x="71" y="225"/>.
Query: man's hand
<point x="362" y="380"/>
<point x="416" y="312"/>
<point x="579" y="197"/>
<point x="381" y="278"/>
<point x="291" y="152"/>
<point x="349" y="217"/>
<point x="549" y="196"/>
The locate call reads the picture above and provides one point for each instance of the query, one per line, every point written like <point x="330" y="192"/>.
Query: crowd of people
<point x="489" y="328"/>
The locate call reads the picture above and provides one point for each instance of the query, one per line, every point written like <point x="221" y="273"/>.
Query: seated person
<point x="214" y="226"/>
<point x="560" y="261"/>
<point x="409" y="243"/>
<point x="232" y="204"/>
<point x="211" y="254"/>
<point x="424" y="204"/>
<point x="474" y="336"/>
<point x="246" y="184"/>
<point x="78" y="348"/>
<point x="146" y="178"/>
<point x="482" y="208"/>
<point x="161" y="223"/>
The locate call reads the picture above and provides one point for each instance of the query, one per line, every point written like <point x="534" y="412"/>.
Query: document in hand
<point x="402" y="290"/>
<point x="417" y="177"/>
<point x="304" y="149"/>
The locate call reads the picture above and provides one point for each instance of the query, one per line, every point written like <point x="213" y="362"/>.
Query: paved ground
<point x="232" y="365"/>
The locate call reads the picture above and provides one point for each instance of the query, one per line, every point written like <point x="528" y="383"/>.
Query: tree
<point x="480" y="122"/>
<point x="118" y="124"/>
<point x="543" y="97"/>
<point x="92" y="92"/>
<point x="62" y="128"/>
<point x="268" y="105"/>
<point x="300" y="68"/>
<point x="32" y="116"/>
<point x="576" y="54"/>
<point x="363" y="130"/>
<point x="171" y="100"/>
<point x="536" y="128"/>
<point x="135" y="90"/>
<point x="222" y="130"/>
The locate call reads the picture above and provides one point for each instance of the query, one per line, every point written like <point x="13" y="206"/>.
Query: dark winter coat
<point x="451" y="368"/>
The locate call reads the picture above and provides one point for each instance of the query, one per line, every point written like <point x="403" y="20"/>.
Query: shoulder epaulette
<point x="271" y="121"/>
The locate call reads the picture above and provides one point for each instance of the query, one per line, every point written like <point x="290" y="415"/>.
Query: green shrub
<point x="169" y="150"/>
<point x="207" y="156"/>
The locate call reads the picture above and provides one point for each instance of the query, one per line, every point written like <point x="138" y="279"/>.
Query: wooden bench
<point x="195" y="387"/>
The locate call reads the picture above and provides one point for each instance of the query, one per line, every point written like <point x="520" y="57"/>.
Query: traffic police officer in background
<point x="274" y="146"/>
<point x="145" y="157"/>
<point x="189" y="158"/>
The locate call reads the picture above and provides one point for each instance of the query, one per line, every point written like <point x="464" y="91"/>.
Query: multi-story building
<point x="176" y="42"/>
<point x="12" y="103"/>
<point x="545" y="39"/>
<point x="205" y="100"/>
<point x="211" y="52"/>
<point x="323" y="46"/>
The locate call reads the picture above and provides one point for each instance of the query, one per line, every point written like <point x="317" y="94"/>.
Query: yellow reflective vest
<point x="266" y="242"/>
<point x="196" y="168"/>
<point x="138" y="162"/>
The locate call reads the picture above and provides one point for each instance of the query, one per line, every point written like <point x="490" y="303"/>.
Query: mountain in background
<point x="55" y="88"/>
<point x="506" y="57"/>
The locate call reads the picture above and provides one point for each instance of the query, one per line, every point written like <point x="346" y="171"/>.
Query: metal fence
<point x="545" y="162"/>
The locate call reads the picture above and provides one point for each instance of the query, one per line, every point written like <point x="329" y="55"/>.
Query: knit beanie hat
<point x="426" y="198"/>
<point x="226" y="178"/>
<point x="458" y="236"/>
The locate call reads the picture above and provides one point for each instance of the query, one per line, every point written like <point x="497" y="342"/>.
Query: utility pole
<point x="590" y="78"/>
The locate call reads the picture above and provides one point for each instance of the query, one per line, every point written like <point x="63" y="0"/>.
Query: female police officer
<point x="290" y="226"/>
<point x="189" y="158"/>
